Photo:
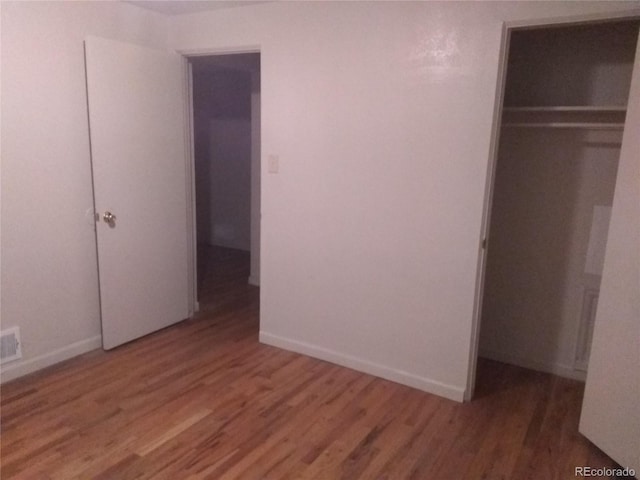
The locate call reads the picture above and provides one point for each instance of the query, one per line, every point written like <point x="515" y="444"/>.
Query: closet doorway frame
<point x="507" y="28"/>
<point x="190" y="165"/>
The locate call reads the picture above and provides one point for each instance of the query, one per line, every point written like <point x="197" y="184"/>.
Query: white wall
<point x="49" y="276"/>
<point x="380" y="114"/>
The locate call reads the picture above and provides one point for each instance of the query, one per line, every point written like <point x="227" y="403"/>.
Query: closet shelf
<point x="568" y="108"/>
<point x="594" y="117"/>
<point x="585" y="125"/>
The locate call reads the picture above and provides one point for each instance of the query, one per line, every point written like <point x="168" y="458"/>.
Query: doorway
<point x="560" y="118"/>
<point x="225" y="93"/>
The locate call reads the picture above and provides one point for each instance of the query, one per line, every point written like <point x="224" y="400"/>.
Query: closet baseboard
<point x="559" y="369"/>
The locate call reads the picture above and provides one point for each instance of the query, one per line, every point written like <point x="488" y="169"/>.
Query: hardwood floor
<point x="203" y="399"/>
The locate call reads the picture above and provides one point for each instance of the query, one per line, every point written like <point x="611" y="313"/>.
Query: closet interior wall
<point x="565" y="98"/>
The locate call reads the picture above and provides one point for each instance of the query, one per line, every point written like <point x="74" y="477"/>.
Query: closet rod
<point x="584" y="125"/>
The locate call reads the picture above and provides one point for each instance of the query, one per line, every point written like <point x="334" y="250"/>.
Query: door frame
<point x="190" y="166"/>
<point x="507" y="29"/>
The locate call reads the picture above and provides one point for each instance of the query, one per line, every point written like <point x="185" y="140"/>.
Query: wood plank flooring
<point x="204" y="400"/>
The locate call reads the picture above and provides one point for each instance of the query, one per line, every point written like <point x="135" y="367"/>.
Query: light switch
<point x="273" y="164"/>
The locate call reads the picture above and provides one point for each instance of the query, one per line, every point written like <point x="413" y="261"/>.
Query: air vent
<point x="10" y="347"/>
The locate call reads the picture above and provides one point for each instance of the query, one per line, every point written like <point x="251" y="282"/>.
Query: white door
<point x="611" y="408"/>
<point x="138" y="146"/>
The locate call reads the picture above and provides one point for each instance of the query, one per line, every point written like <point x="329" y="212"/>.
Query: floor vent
<point x="10" y="347"/>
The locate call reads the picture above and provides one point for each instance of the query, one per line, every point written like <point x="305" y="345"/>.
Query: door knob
<point x="109" y="218"/>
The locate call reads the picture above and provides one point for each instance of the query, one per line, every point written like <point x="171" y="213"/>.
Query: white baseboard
<point x="18" y="369"/>
<point x="253" y="280"/>
<point x="405" y="378"/>
<point x="558" y="369"/>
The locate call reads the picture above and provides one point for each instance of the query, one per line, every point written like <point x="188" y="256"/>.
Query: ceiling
<point x="181" y="7"/>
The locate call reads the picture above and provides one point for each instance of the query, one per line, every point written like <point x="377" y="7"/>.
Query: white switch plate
<point x="273" y="164"/>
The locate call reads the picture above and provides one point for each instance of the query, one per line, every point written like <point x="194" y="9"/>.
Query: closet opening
<point x="225" y="95"/>
<point x="562" y="118"/>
